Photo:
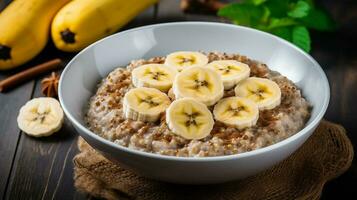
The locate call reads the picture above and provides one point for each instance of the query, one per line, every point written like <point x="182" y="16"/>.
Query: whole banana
<point x="82" y="22"/>
<point x="24" y="30"/>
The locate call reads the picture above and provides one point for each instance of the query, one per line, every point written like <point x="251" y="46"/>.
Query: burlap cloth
<point x="327" y="154"/>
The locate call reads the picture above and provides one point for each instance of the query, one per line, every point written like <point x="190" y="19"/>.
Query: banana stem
<point x="68" y="36"/>
<point x="5" y="52"/>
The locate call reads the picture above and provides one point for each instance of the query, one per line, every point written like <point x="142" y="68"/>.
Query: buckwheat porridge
<point x="195" y="104"/>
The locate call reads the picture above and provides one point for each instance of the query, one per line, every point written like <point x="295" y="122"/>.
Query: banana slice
<point x="171" y="94"/>
<point x="184" y="59"/>
<point x="189" y="118"/>
<point x="231" y="71"/>
<point x="264" y="92"/>
<point x="145" y="104"/>
<point x="236" y="111"/>
<point x="40" y="117"/>
<point x="156" y="76"/>
<point x="200" y="83"/>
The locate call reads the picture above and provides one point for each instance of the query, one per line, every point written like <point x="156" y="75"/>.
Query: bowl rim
<point x="315" y="121"/>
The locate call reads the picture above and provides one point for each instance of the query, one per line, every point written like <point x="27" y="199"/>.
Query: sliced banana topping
<point x="184" y="59"/>
<point x="171" y="94"/>
<point x="236" y="111"/>
<point x="231" y="71"/>
<point x="40" y="117"/>
<point x="189" y="118"/>
<point x="264" y="92"/>
<point x="145" y="104"/>
<point x="157" y="76"/>
<point x="200" y="83"/>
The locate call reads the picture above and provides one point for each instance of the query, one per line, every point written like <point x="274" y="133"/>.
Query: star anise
<point x="50" y="85"/>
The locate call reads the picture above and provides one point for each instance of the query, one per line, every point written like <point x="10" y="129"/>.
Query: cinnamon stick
<point x="29" y="74"/>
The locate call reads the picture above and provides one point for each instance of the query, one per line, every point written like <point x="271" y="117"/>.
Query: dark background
<point x="42" y="168"/>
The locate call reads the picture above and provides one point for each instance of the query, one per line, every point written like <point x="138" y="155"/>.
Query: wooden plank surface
<point x="9" y="132"/>
<point x="43" y="166"/>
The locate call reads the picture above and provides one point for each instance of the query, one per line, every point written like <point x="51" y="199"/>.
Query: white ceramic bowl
<point x="80" y="77"/>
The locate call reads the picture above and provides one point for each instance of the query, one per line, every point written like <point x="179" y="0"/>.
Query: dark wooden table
<point x="32" y="168"/>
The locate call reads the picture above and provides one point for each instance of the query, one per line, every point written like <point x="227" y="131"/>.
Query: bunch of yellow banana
<point x="24" y="30"/>
<point x="25" y="25"/>
<point x="82" y="22"/>
<point x="195" y="84"/>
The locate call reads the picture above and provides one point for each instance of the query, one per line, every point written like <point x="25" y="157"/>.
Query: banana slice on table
<point x="266" y="93"/>
<point x="200" y="83"/>
<point x="236" y="111"/>
<point x="157" y="76"/>
<point x="189" y="118"/>
<point x="184" y="59"/>
<point x="231" y="71"/>
<point x="40" y="117"/>
<point x="145" y="104"/>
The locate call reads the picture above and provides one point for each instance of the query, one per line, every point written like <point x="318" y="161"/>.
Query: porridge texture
<point x="105" y="117"/>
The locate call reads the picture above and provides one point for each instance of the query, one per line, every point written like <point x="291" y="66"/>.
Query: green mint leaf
<point x="300" y="9"/>
<point x="283" y="32"/>
<point x="266" y="15"/>
<point x="281" y="22"/>
<point x="301" y="38"/>
<point x="319" y="20"/>
<point x="254" y="2"/>
<point x="277" y="8"/>
<point x="243" y="14"/>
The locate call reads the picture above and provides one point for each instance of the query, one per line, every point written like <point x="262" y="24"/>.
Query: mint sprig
<point x="301" y="38"/>
<point x="288" y="19"/>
